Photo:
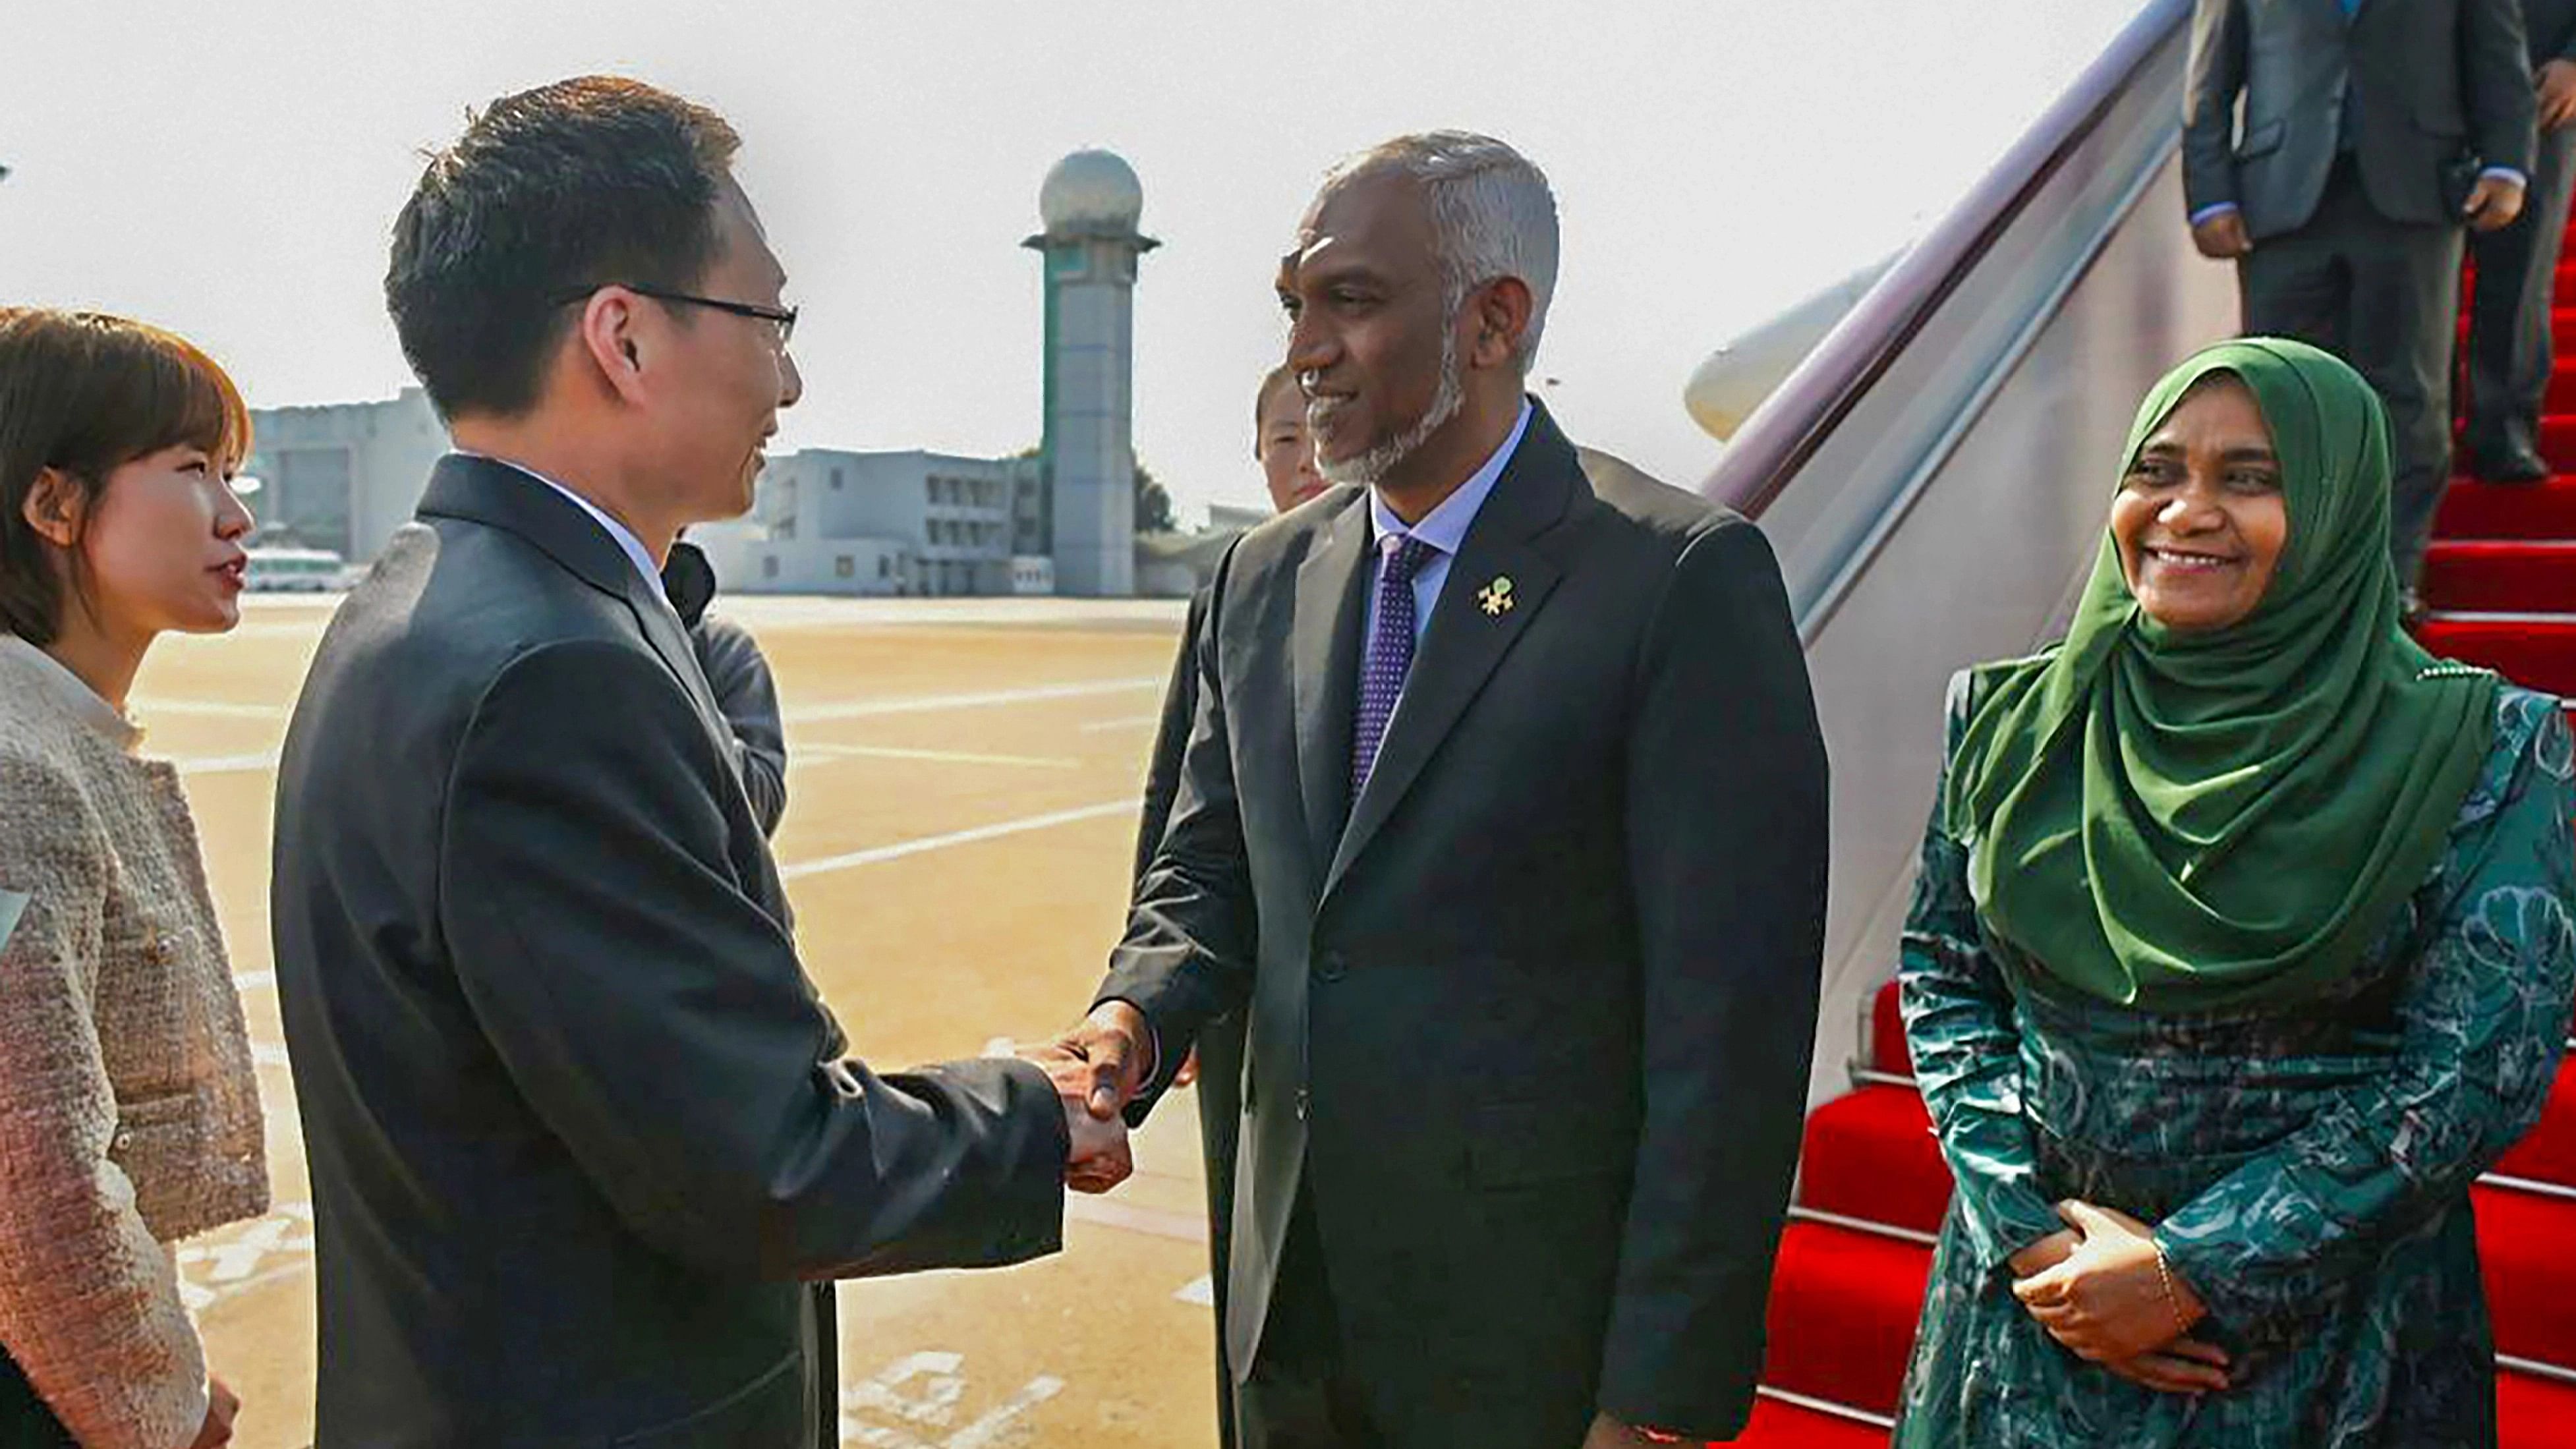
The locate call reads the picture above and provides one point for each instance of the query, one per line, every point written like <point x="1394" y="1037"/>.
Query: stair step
<point x="2533" y="1412"/>
<point x="2523" y="1243"/>
<point x="2537" y="651"/>
<point x="2500" y="511"/>
<point x="1843" y="1309"/>
<point x="1871" y="1155"/>
<point x="1779" y="1424"/>
<point x="2513" y="576"/>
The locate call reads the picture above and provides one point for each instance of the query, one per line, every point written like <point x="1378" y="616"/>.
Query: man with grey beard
<point x="1503" y="816"/>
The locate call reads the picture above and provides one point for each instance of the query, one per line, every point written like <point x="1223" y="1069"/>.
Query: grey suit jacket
<point x="1530" y="1018"/>
<point x="2433" y="81"/>
<point x="578" y="1123"/>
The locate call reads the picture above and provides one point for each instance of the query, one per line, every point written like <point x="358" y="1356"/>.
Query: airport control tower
<point x="1090" y="203"/>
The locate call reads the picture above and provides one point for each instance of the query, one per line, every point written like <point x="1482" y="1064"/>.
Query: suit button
<point x="1331" y="966"/>
<point x="1304" y="1100"/>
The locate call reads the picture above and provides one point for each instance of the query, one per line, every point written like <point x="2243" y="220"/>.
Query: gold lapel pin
<point x="1496" y="598"/>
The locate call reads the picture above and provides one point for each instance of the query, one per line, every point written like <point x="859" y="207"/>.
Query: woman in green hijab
<point x="2245" y="939"/>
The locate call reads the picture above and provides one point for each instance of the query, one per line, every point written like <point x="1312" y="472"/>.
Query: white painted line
<point x="226" y="764"/>
<point x="267" y="1054"/>
<point x="1123" y="722"/>
<point x="1200" y="1290"/>
<point x="897" y="851"/>
<point x="224" y="708"/>
<point x="1185" y="1227"/>
<point x="254" y="981"/>
<point x="821" y="753"/>
<point x="929" y="704"/>
<point x="988" y="1428"/>
<point x="1001" y="1046"/>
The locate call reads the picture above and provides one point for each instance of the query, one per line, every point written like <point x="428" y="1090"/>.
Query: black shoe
<point x="2507" y="460"/>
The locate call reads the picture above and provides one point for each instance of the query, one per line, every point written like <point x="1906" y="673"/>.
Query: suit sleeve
<point x="659" y="1022"/>
<point x="2495" y="61"/>
<point x="1187" y="956"/>
<point x="1171" y="737"/>
<point x="747" y="694"/>
<point x="2215" y="78"/>
<point x="1727" y="830"/>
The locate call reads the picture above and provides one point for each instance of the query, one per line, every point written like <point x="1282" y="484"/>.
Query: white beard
<point x="1366" y="469"/>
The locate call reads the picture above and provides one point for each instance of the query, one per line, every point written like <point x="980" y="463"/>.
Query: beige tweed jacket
<point x="129" y="1115"/>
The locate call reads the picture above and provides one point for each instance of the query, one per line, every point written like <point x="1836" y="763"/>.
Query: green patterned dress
<point x="2307" y="1169"/>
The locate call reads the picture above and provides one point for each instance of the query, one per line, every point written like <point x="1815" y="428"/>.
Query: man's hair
<point x="1276" y="378"/>
<point x="1492" y="214"/>
<point x="549" y="192"/>
<point x="84" y="393"/>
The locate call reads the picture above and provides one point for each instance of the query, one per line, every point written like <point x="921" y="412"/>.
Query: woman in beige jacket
<point x="129" y="1117"/>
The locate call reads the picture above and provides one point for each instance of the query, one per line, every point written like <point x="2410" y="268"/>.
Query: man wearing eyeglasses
<point x="581" y="1131"/>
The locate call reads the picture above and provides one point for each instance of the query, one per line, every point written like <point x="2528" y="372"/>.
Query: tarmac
<point x="962" y="788"/>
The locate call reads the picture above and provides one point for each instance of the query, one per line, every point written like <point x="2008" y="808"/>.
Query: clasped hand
<point x="1097" y="1068"/>
<point x="2100" y="1288"/>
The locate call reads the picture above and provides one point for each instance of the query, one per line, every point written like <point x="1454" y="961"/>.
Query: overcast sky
<point x="229" y="168"/>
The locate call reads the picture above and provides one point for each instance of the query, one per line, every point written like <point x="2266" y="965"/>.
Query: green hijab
<point x="2181" y="821"/>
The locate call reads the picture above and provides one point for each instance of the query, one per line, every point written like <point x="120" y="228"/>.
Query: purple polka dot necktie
<point x="1390" y="648"/>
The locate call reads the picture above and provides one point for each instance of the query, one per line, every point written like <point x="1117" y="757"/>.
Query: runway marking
<point x="223" y="708"/>
<point x="1123" y="722"/>
<point x="226" y="764"/>
<point x="878" y="855"/>
<point x="1110" y="1213"/>
<point x="1200" y="1290"/>
<point x="268" y="1054"/>
<point x="254" y="981"/>
<point x="926" y="1389"/>
<point x="932" y="703"/>
<point x="210" y="1272"/>
<point x="942" y="757"/>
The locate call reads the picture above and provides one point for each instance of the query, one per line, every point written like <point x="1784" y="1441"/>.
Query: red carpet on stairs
<point x="2501" y="585"/>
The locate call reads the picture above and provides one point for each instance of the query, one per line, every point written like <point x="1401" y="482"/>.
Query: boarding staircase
<point x="1935" y="477"/>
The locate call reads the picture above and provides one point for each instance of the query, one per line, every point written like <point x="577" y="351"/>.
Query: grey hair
<point x="1492" y="214"/>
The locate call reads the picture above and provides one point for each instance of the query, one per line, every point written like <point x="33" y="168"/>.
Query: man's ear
<point x="611" y="339"/>
<point x="54" y="507"/>
<point x="1502" y="310"/>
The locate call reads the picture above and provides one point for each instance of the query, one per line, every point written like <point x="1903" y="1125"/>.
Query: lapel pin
<point x="1496" y="598"/>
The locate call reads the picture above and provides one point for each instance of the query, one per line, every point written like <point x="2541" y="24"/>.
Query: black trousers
<point x="1301" y="1393"/>
<point x="25" y="1422"/>
<point x="2510" y="355"/>
<point x="1220" y="1046"/>
<point x="2384" y="296"/>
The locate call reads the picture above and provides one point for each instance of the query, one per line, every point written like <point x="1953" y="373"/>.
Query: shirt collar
<point x="1445" y="527"/>
<point x="73" y="693"/>
<point x="624" y="537"/>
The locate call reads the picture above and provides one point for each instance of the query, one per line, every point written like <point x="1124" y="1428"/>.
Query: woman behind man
<point x="2242" y="945"/>
<point x="129" y="1115"/>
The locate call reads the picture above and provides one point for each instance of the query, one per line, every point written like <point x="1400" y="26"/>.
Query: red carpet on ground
<point x="2501" y="584"/>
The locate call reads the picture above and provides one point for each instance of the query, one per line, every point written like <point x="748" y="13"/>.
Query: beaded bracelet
<point x="2173" y="1300"/>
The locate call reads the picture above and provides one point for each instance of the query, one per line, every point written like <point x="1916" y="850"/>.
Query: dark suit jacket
<point x="2433" y="80"/>
<point x="746" y="696"/>
<point x="577" y="1121"/>
<point x="2550" y="26"/>
<point x="1533" y="1025"/>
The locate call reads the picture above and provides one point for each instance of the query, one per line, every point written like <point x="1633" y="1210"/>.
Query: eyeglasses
<point x="782" y="318"/>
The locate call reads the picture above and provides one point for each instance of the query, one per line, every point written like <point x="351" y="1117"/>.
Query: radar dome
<point x="1091" y="191"/>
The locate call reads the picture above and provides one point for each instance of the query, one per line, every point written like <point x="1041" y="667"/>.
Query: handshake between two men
<point x="1096" y="1068"/>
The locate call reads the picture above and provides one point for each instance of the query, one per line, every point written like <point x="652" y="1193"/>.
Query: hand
<point x="2047" y="1253"/>
<point x="2556" y="84"/>
<point x="2184" y="1366"/>
<point x="2223" y="236"/>
<point x="1098" y="1158"/>
<point x="221" y="1409"/>
<point x="1609" y="1433"/>
<point x="1189" y="1071"/>
<point x="2494" y="204"/>
<point x="2109" y="1301"/>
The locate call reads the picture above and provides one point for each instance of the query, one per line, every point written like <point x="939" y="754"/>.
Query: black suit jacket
<point x="1530" y="1019"/>
<point x="2550" y="26"/>
<point x="2433" y="80"/>
<point x="577" y="1121"/>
